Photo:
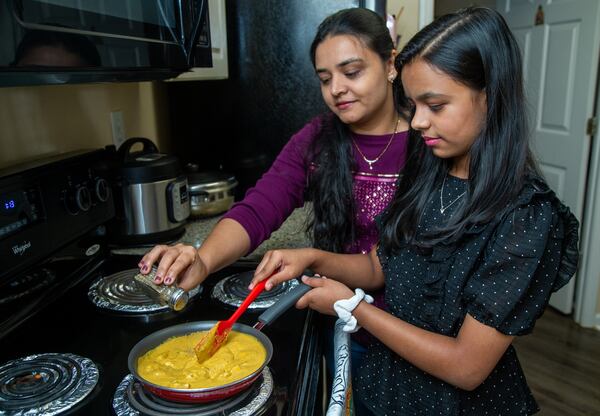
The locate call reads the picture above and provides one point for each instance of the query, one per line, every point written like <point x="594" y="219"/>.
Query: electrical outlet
<point x="118" y="130"/>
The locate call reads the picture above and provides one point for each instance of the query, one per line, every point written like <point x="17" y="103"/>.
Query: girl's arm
<point x="465" y="361"/>
<point x="354" y="270"/>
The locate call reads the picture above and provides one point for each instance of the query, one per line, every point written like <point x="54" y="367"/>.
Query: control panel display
<point x="18" y="209"/>
<point x="9" y="205"/>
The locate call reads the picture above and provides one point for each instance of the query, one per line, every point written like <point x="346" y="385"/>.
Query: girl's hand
<point x="282" y="265"/>
<point x="325" y="293"/>
<point x="179" y="262"/>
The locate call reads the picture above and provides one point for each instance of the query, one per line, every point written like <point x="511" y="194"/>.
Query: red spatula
<point x="213" y="339"/>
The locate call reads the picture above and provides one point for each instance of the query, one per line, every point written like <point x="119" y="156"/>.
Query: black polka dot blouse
<point x="501" y="273"/>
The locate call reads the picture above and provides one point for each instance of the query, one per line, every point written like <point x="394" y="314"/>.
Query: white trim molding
<point x="426" y="8"/>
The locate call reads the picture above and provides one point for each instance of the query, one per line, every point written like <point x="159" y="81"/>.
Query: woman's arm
<point x="247" y="224"/>
<point x="227" y="242"/>
<point x="354" y="270"/>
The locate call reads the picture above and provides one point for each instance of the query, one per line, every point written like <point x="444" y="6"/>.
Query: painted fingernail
<point x="169" y="280"/>
<point x="156" y="279"/>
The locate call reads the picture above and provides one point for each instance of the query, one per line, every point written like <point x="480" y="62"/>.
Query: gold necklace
<point x="372" y="161"/>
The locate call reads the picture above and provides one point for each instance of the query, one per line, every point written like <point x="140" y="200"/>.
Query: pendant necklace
<point x="442" y="207"/>
<point x="372" y="161"/>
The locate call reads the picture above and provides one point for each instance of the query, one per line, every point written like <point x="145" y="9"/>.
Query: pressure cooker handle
<point x="125" y="149"/>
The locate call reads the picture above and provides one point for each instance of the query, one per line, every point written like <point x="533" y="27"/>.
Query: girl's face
<point x="354" y="83"/>
<point x="449" y="115"/>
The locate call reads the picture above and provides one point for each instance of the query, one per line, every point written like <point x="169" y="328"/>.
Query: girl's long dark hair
<point x="475" y="47"/>
<point x="330" y="183"/>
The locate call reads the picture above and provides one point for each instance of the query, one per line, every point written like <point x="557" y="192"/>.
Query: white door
<point x="561" y="67"/>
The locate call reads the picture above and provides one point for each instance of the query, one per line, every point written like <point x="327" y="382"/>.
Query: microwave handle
<point x="195" y="33"/>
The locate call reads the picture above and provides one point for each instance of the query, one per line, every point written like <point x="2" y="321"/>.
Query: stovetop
<point x="65" y="320"/>
<point x="53" y="218"/>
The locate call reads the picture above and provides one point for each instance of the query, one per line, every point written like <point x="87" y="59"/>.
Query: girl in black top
<point x="471" y="247"/>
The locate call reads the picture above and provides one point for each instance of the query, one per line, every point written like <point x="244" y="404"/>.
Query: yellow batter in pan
<point x="173" y="363"/>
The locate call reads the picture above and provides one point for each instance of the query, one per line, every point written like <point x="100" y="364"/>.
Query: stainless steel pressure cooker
<point x="153" y="201"/>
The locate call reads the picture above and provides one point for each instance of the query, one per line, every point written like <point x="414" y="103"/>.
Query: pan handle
<point x="283" y="304"/>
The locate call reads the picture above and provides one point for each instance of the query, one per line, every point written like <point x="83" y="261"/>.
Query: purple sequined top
<point x="281" y="189"/>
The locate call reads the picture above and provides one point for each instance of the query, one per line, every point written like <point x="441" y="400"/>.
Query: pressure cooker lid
<point x="150" y="167"/>
<point x="210" y="181"/>
<point x="148" y="164"/>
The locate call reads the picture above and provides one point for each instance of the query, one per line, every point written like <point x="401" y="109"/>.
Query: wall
<point x="40" y="120"/>
<point x="407" y="19"/>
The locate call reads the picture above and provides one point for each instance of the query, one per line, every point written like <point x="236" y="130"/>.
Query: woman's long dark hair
<point x="475" y="47"/>
<point x="330" y="183"/>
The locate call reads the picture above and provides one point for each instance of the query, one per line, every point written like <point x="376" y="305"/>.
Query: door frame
<point x="426" y="8"/>
<point x="587" y="292"/>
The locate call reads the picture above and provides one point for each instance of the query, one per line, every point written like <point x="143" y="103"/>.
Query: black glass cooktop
<point x="68" y="322"/>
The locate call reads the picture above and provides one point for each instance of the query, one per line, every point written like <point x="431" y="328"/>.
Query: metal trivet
<point x="233" y="289"/>
<point x="45" y="384"/>
<point x="119" y="292"/>
<point x="131" y="399"/>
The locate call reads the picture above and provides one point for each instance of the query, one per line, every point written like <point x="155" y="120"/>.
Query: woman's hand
<point x="178" y="262"/>
<point x="324" y="294"/>
<point x="281" y="265"/>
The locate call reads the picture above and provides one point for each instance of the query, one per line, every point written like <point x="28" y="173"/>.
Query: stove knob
<point x="78" y="199"/>
<point x="102" y="190"/>
<point x="83" y="198"/>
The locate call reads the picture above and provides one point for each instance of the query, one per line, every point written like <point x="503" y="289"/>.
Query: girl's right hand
<point x="282" y="265"/>
<point x="178" y="262"/>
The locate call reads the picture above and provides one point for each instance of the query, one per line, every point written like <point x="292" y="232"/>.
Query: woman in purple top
<point x="346" y="162"/>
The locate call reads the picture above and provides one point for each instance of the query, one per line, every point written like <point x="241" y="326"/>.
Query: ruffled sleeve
<point x="532" y="254"/>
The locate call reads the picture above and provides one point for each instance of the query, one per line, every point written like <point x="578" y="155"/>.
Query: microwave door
<point x="111" y="40"/>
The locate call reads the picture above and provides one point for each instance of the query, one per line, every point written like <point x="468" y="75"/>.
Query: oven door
<point x="63" y="41"/>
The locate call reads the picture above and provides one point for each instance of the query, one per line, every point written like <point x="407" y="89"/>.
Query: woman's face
<point x="354" y="81"/>
<point x="449" y="115"/>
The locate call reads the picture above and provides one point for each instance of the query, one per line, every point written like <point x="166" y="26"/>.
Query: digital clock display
<point x="9" y="205"/>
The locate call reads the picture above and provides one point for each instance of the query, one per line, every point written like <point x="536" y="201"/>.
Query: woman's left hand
<point x="324" y="294"/>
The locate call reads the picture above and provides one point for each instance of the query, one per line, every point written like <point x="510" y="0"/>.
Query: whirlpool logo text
<point x="19" y="249"/>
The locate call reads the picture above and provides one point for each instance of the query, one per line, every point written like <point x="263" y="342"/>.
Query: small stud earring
<point x="391" y="78"/>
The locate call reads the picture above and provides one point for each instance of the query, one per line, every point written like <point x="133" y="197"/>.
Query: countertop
<point x="291" y="234"/>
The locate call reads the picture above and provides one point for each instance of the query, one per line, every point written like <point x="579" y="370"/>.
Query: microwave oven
<point x="74" y="41"/>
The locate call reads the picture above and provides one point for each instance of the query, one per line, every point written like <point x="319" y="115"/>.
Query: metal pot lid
<point x="210" y="181"/>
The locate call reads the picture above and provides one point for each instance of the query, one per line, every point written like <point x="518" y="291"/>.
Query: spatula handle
<point x="260" y="286"/>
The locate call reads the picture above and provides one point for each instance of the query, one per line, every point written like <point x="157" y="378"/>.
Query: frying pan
<point x="208" y="394"/>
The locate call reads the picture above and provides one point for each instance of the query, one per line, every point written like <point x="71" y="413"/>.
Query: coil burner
<point x="233" y="289"/>
<point x="45" y="384"/>
<point x="120" y="292"/>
